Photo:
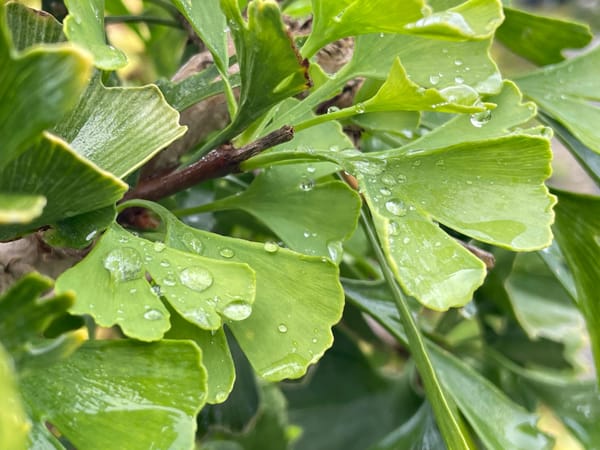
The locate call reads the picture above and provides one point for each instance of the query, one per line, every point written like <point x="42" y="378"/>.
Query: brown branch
<point x="217" y="163"/>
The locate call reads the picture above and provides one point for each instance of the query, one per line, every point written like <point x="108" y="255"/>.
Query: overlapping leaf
<point x="567" y="92"/>
<point x="298" y="299"/>
<point x="55" y="171"/>
<point x="29" y="27"/>
<point x="271" y="70"/>
<point x="84" y="26"/>
<point x="577" y="230"/>
<point x="541" y="39"/>
<point x="140" y="395"/>
<point x="499" y="422"/>
<point x="290" y="199"/>
<point x="119" y="129"/>
<point x="202" y="290"/>
<point x="37" y="87"/>
<point x="473" y="19"/>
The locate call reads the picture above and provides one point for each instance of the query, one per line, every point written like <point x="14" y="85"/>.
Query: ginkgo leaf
<point x="298" y="298"/>
<point x="56" y="172"/>
<point x="541" y="39"/>
<point x="335" y="19"/>
<point x="202" y="290"/>
<point x="14" y="425"/>
<point x="119" y="129"/>
<point x="29" y="26"/>
<point x="569" y="93"/>
<point x="84" y="26"/>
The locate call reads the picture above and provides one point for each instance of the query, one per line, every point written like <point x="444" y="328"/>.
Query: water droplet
<point x="193" y="243"/>
<point x="393" y="228"/>
<point x="91" y="235"/>
<point x="434" y="79"/>
<point x="237" y="310"/>
<point x="153" y="314"/>
<point x="221" y="396"/>
<point x="311" y="169"/>
<point x="196" y="278"/>
<point x="315" y="340"/>
<point x="335" y="250"/>
<point x="271" y="247"/>
<point x="332" y="109"/>
<point x="169" y="281"/>
<point x="416" y="163"/>
<point x="385" y="191"/>
<point x="481" y="118"/>
<point x="282" y="328"/>
<point x="132" y="290"/>
<point x="406" y="240"/>
<point x="459" y="80"/>
<point x="124" y="264"/>
<point x="388" y="179"/>
<point x="402" y="179"/>
<point x="165" y="263"/>
<point x="359" y="108"/>
<point x="159" y="246"/>
<point x="123" y="239"/>
<point x="440" y="163"/>
<point x="469" y="182"/>
<point x="396" y="207"/>
<point x="458" y="62"/>
<point x="307" y="184"/>
<point x="226" y="253"/>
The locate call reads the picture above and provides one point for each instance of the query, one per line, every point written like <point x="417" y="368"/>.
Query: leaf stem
<point x="221" y="161"/>
<point x="446" y="420"/>
<point x="336" y="115"/>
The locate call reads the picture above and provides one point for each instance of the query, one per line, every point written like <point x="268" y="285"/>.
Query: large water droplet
<point x="153" y="314"/>
<point x="396" y="207"/>
<point x="359" y="108"/>
<point x="226" y="253"/>
<point x="307" y="184"/>
<point x="237" y="310"/>
<point x="124" y="264"/>
<point x="332" y="109"/>
<point x="196" y="278"/>
<point x="481" y="118"/>
<point x="336" y="251"/>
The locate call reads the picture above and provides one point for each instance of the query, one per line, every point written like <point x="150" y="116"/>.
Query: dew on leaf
<point x="396" y="207"/>
<point x="481" y="118"/>
<point x="388" y="179"/>
<point x="335" y="250"/>
<point x="434" y="79"/>
<point x="332" y="109"/>
<point x="193" y="243"/>
<point x="196" y="278"/>
<point x="165" y="263"/>
<point x="169" y="281"/>
<point x="221" y="396"/>
<point x="311" y="169"/>
<point x="159" y="246"/>
<point x="385" y="191"/>
<point x="153" y="314"/>
<point x="359" y="108"/>
<point x="237" y="310"/>
<point x="282" y="328"/>
<point x="402" y="179"/>
<point x="226" y="253"/>
<point x="124" y="264"/>
<point x="271" y="247"/>
<point x="307" y="184"/>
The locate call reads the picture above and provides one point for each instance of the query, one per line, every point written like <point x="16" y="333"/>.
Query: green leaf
<point x="24" y="318"/>
<point x="37" y="87"/>
<point x="346" y="403"/>
<point x="20" y="208"/>
<point x="298" y="299"/>
<point x="56" y="172"/>
<point x="216" y="356"/>
<point x="271" y="69"/>
<point x="210" y="24"/>
<point x="119" y="129"/>
<point x="577" y="230"/>
<point x="541" y="39"/>
<point x="140" y="395"/>
<point x="14" y="425"/>
<point x="29" y="27"/>
<point x="200" y="289"/>
<point x="84" y="26"/>
<point x="589" y="160"/>
<point x="80" y="231"/>
<point x="567" y="92"/>
<point x="332" y="20"/>
<point x="478" y="399"/>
